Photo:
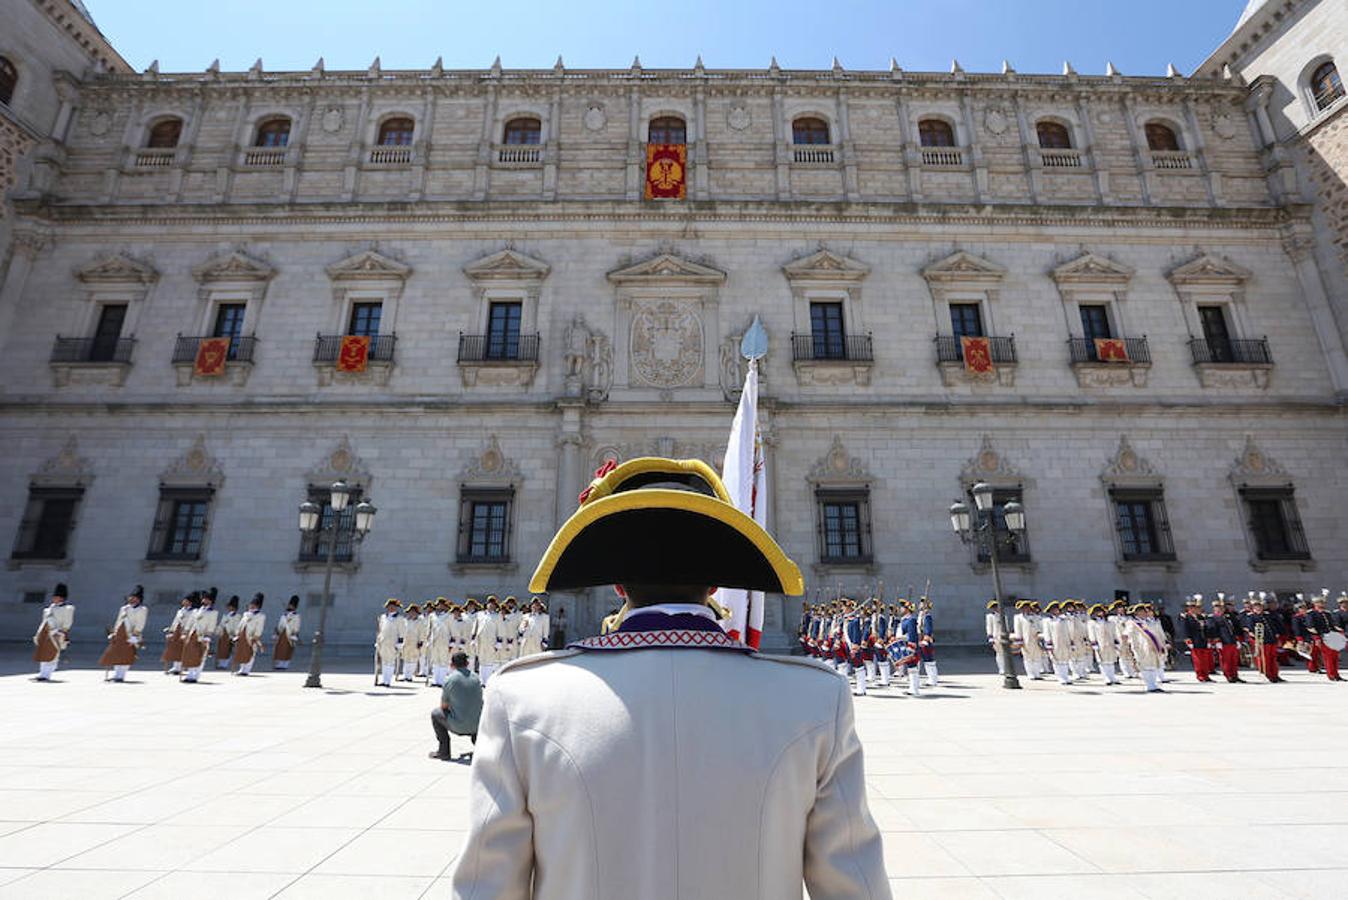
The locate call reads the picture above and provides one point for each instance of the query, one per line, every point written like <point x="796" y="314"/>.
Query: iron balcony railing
<point x="1229" y="351"/>
<point x="849" y="348"/>
<point x="241" y="348"/>
<point x="948" y="349"/>
<point x="92" y="350"/>
<point x="327" y="347"/>
<point x="1083" y="350"/>
<point x="498" y="347"/>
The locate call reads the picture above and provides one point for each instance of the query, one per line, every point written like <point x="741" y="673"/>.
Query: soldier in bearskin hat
<point x="53" y="633"/>
<point x="124" y="639"/>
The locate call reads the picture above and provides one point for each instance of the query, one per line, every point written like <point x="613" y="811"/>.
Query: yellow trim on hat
<point x="602" y="503"/>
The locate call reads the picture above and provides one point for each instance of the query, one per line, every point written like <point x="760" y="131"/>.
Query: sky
<point x="1139" y="36"/>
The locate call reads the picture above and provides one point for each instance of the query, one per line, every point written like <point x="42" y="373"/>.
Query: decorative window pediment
<point x="369" y="265"/>
<point x="1210" y="269"/>
<point x="1129" y="469"/>
<point x="118" y="269"/>
<point x="825" y="266"/>
<point x="195" y="468"/>
<point x="235" y="266"/>
<point x="491" y="467"/>
<point x="66" y="469"/>
<point x="1255" y="468"/>
<point x="1093" y="270"/>
<point x="507" y="265"/>
<point x="962" y="267"/>
<point x="989" y="465"/>
<point x="838" y="467"/>
<point x="667" y="269"/>
<point x="341" y="464"/>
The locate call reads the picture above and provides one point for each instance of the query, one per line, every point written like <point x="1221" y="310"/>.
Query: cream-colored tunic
<point x="441" y="639"/>
<point x="414" y="638"/>
<point x="134" y="618"/>
<point x="533" y="633"/>
<point x="489" y="643"/>
<point x="387" y="637"/>
<point x="58" y="619"/>
<point x="1147" y="639"/>
<point x="1105" y="640"/>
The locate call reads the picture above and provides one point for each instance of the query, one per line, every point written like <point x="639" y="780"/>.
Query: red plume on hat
<point x="599" y="473"/>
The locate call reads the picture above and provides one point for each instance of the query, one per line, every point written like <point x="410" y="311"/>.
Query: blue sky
<point x="1139" y="36"/>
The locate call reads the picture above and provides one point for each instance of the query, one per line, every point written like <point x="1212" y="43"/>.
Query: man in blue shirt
<point x="460" y="706"/>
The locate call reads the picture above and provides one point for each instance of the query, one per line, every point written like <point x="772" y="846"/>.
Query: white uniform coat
<point x="390" y="631"/>
<point x="1105" y="640"/>
<point x="1059" y="633"/>
<point x="993" y="627"/>
<point x="668" y="773"/>
<point x="414" y="638"/>
<point x="1148" y="642"/>
<point x="134" y="618"/>
<point x="533" y="633"/>
<point x="59" y="619"/>
<point x="204" y="623"/>
<point x="229" y="624"/>
<point x="1028" y="630"/>
<point x="441" y="634"/>
<point x="489" y="644"/>
<point x="252" y="626"/>
<point x="289" y="623"/>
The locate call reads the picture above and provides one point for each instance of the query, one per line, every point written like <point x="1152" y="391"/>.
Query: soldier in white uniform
<point x="489" y="640"/>
<point x="1105" y="642"/>
<point x="469" y="615"/>
<point x="175" y="633"/>
<point x="1118" y="615"/>
<point x="388" y="640"/>
<point x="665" y="758"/>
<point x="53" y="633"/>
<point x="534" y="628"/>
<point x="287" y="633"/>
<point x="127" y="632"/>
<point x="226" y="633"/>
<point x="410" y="651"/>
<point x="1058" y="636"/>
<point x="1149" y="646"/>
<point x="248" y="644"/>
<point x="1029" y="637"/>
<point x="511" y="616"/>
<point x="992" y="625"/>
<point x="197" y="637"/>
<point x="440" y="642"/>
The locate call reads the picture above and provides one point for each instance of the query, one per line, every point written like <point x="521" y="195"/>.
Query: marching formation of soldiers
<point x="419" y="641"/>
<point x="872" y="642"/>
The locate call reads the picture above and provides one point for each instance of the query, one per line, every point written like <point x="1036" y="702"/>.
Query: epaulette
<point x="808" y="662"/>
<point x="534" y="659"/>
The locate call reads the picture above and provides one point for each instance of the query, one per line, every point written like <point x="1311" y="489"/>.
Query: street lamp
<point x="982" y="529"/>
<point x="311" y="517"/>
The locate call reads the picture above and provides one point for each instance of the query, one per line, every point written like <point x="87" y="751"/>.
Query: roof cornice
<point x="74" y="22"/>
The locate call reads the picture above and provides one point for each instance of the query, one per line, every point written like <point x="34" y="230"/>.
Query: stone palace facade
<point x="531" y="314"/>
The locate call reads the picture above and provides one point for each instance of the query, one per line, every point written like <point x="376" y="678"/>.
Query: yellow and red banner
<point x="977" y="355"/>
<point x="211" y="355"/>
<point x="666" y="171"/>
<point x="1111" y="350"/>
<point x="354" y="353"/>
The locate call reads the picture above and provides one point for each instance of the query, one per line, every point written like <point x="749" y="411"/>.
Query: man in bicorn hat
<point x="176" y="632"/>
<point x="388" y="639"/>
<point x="226" y="632"/>
<point x="1149" y="646"/>
<point x="996" y="632"/>
<point x="1058" y="636"/>
<point x="489" y="640"/>
<point x="511" y="616"/>
<point x="1105" y="642"/>
<point x="53" y="633"/>
<point x="1029" y="637"/>
<point x="287" y="633"/>
<point x="127" y="632"/>
<point x="534" y="628"/>
<point x="666" y="757"/>
<point x="440" y="641"/>
<point x="248" y="644"/>
<point x="197" y="640"/>
<point x="413" y="639"/>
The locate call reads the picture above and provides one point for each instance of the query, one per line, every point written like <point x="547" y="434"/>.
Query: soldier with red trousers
<point x="1265" y="628"/>
<point x="1224" y="628"/>
<point x="1194" y="630"/>
<point x="1318" y="623"/>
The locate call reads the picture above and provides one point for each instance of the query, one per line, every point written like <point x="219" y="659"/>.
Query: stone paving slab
<point x="256" y="787"/>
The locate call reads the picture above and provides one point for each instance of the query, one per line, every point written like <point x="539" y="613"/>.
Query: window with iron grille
<point x="396" y="132"/>
<point x="1011" y="548"/>
<point x="1053" y="136"/>
<point x="273" y="133"/>
<point x="966" y="320"/>
<point x="229" y="323"/>
<point x="485" y="525"/>
<point x="1275" y="524"/>
<point x="827" y="332"/>
<point x="103" y="348"/>
<point x="314" y="545"/>
<point x="503" y="330"/>
<point x="180" y="524"/>
<point x="365" y="319"/>
<point x="1095" y="322"/>
<point x="844" y="525"/>
<point x="523" y="131"/>
<point x="1326" y="85"/>
<point x="1216" y="333"/>
<point x="1144" y="528"/>
<point x="935" y="133"/>
<point x="47" y="524"/>
<point x="809" y="131"/>
<point x="668" y="130"/>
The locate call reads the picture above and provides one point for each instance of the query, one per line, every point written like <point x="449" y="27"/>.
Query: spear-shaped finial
<point x="1007" y="68"/>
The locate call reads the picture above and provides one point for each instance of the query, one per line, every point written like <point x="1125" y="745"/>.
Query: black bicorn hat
<point x="233" y="602"/>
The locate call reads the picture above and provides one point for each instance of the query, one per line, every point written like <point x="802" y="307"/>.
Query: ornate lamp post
<point x="982" y="529"/>
<point x="311" y="517"/>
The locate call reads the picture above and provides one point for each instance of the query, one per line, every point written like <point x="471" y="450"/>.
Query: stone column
<point x="27" y="245"/>
<point x="976" y="158"/>
<point x="635" y="160"/>
<point x="1298" y="242"/>
<point x="781" y="153"/>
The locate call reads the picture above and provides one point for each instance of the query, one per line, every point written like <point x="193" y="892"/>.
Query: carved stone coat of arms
<point x="666" y="345"/>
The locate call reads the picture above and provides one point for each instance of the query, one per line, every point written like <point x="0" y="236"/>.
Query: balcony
<point x="498" y="360"/>
<point x="833" y="359"/>
<point x="1171" y="159"/>
<point x="154" y="158"/>
<point x="1232" y="363"/>
<point x="812" y="155"/>
<point x="390" y="155"/>
<point x="91" y="360"/>
<point x="238" y="361"/>
<point x="264" y="157"/>
<point x="522" y="155"/>
<point x="1060" y="159"/>
<point x="1110" y="371"/>
<point x="950" y="361"/>
<point x="378" y="362"/>
<point x="942" y="157"/>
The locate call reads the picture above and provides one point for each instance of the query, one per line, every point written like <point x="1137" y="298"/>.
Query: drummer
<point x="1326" y="638"/>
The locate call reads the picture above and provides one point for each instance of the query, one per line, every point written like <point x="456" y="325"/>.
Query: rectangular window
<point x="34" y="597"/>
<point x="503" y="330"/>
<point x="966" y="320"/>
<point x="1144" y="530"/>
<point x="844" y="526"/>
<point x="229" y="323"/>
<point x="365" y="319"/>
<point x="826" y="329"/>
<point x="1216" y="333"/>
<point x="106" y="332"/>
<point x="1275" y="523"/>
<point x="1015" y="549"/>
<point x="180" y="524"/>
<point x="485" y="525"/>
<point x="1095" y="322"/>
<point x="314" y="546"/>
<point x="47" y="524"/>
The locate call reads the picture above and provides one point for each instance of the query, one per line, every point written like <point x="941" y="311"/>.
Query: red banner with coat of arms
<point x="1111" y="350"/>
<point x="666" y="171"/>
<point x="977" y="355"/>
<point x="212" y="353"/>
<point x="354" y="353"/>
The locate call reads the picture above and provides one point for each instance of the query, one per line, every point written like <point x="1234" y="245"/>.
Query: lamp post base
<point x="313" y="681"/>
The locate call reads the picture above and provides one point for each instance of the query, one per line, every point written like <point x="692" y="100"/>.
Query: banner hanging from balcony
<point x="211" y="355"/>
<point x="1111" y="350"/>
<point x="354" y="353"/>
<point x="666" y="171"/>
<point x="977" y="355"/>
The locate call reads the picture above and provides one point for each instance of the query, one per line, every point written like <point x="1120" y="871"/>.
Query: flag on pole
<point x="745" y="480"/>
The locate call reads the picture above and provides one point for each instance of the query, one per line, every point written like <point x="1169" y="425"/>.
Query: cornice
<point x="84" y="33"/>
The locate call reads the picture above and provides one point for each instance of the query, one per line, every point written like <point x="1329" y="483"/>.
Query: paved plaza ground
<point x="254" y="788"/>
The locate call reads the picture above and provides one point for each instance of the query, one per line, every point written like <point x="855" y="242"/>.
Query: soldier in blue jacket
<point x="927" y="640"/>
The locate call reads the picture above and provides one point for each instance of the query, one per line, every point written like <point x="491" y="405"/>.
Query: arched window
<point x="1053" y="136"/>
<point x="1161" y="137"/>
<point x="809" y="130"/>
<point x="165" y="133"/>
<point x="935" y="133"/>
<point x="396" y="132"/>
<point x="523" y="131"/>
<point x="668" y="130"/>
<point x="273" y="133"/>
<point x="1326" y="86"/>
<point x="9" y="79"/>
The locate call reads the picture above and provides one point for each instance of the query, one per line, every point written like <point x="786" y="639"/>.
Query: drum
<point x="1336" y="641"/>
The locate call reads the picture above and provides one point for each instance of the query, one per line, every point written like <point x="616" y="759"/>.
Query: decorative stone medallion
<point x="1225" y="126"/>
<point x="594" y="118"/>
<point x="988" y="460"/>
<point x="995" y="121"/>
<point x="738" y="117"/>
<point x="666" y="343"/>
<point x="333" y="119"/>
<point x="99" y="122"/>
